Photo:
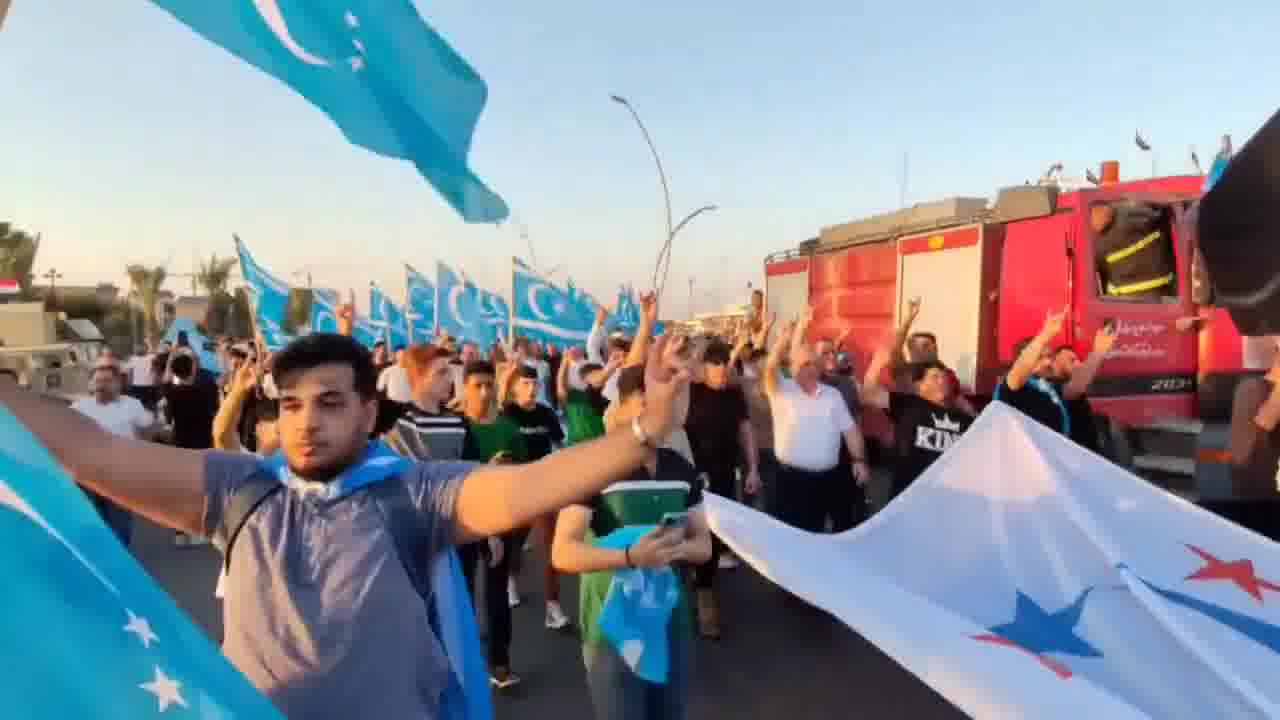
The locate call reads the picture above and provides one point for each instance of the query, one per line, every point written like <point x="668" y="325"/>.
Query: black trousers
<point x="724" y="483"/>
<point x="807" y="499"/>
<point x="497" y="611"/>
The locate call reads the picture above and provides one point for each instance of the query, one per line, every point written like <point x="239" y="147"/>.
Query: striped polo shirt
<point x="422" y="435"/>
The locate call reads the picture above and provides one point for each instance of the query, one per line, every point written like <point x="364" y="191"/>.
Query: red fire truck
<point x="988" y="273"/>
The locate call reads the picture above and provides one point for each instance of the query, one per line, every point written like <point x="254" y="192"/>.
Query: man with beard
<point x="361" y="642"/>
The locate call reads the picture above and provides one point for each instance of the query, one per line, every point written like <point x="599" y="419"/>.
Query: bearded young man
<point x="355" y="640"/>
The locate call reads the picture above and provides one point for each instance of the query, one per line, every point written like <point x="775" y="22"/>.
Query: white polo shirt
<point x="124" y="416"/>
<point x="808" y="429"/>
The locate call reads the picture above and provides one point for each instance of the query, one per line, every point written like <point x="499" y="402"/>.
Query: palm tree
<point x="17" y="255"/>
<point x="146" y="282"/>
<point x="213" y="277"/>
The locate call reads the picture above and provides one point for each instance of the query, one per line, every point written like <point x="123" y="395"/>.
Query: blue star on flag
<point x="1038" y="632"/>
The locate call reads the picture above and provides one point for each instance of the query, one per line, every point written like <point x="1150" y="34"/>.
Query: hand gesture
<point x="1104" y="340"/>
<point x="649" y="306"/>
<point x="655" y="549"/>
<point x="662" y="389"/>
<point x="246" y="378"/>
<point x="913" y="308"/>
<point x="1053" y="324"/>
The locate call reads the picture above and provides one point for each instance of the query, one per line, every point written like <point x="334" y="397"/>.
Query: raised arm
<point x="569" y="360"/>
<point x="1083" y="376"/>
<point x="887" y="358"/>
<point x="1024" y="366"/>
<point x="496" y="499"/>
<point x="226" y="423"/>
<point x="161" y="483"/>
<point x="644" y="334"/>
<point x="772" y="378"/>
<point x="598" y="339"/>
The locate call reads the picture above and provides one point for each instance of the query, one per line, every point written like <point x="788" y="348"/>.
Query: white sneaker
<point x="728" y="561"/>
<point x="513" y="593"/>
<point x="556" y="619"/>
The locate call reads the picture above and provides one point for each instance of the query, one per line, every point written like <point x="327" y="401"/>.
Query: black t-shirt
<point x="539" y="426"/>
<point x="712" y="426"/>
<point x="922" y="432"/>
<point x="191" y="409"/>
<point x="1084" y="430"/>
<point x="1038" y="400"/>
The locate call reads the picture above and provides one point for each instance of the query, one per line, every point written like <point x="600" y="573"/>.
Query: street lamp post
<point x="664" y="255"/>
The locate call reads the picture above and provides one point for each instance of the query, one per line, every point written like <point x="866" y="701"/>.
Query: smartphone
<point x="676" y="520"/>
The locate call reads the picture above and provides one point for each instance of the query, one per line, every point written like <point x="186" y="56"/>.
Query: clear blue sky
<point x="128" y="138"/>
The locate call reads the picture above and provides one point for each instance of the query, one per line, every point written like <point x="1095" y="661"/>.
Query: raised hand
<point x="662" y="388"/>
<point x="1053" y="324"/>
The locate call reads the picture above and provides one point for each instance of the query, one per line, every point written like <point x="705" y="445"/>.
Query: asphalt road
<point x="778" y="660"/>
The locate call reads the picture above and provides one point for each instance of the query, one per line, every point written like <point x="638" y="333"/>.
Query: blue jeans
<point x="618" y="694"/>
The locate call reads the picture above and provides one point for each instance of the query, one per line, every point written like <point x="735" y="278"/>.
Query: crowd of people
<point x="288" y="455"/>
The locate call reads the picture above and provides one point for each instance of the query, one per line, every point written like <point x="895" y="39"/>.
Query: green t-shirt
<point x="637" y="500"/>
<point x="584" y="415"/>
<point x="484" y="440"/>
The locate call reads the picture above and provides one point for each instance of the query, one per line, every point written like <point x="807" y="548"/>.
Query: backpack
<point x="399" y="517"/>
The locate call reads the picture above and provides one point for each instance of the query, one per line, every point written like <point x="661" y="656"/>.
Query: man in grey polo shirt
<point x="320" y="614"/>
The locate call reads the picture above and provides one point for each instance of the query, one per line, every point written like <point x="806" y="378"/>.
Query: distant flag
<point x="544" y="312"/>
<point x="389" y="81"/>
<point x="324" y="311"/>
<point x="1220" y="163"/>
<point x="1058" y="585"/>
<point x="389" y="317"/>
<point x="78" y="606"/>
<point x="365" y="332"/>
<point x="458" y="313"/>
<point x="269" y="296"/>
<point x="496" y="314"/>
<point x="420" y="304"/>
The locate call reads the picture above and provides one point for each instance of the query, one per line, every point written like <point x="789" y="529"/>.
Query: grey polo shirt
<point x="319" y="613"/>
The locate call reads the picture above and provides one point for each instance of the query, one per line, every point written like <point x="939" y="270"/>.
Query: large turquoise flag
<point x="389" y="81"/>
<point x="87" y="632"/>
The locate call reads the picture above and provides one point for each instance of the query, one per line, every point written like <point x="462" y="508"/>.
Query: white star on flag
<point x="139" y="626"/>
<point x="167" y="690"/>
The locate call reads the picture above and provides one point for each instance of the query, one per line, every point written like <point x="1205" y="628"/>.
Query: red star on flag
<point x="1240" y="572"/>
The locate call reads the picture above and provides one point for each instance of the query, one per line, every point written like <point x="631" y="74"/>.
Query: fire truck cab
<point x="988" y="273"/>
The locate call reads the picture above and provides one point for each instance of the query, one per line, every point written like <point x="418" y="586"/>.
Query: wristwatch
<point x="638" y="431"/>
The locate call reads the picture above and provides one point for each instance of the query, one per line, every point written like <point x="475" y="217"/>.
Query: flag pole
<point x="511" y="307"/>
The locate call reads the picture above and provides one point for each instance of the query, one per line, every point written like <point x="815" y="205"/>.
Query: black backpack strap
<point x="242" y="503"/>
<point x="405" y="526"/>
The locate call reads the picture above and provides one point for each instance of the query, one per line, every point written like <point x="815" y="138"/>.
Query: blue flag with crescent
<point x="544" y="312"/>
<point x="269" y="296"/>
<point x="388" y="80"/>
<point x="459" y="310"/>
<point x="421" y="304"/>
<point x="495" y="314"/>
<point x="87" y="632"/>
<point x="324" y="311"/>
<point x="388" y="316"/>
<point x="364" y="331"/>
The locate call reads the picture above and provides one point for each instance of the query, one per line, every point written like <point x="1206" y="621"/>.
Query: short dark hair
<point x="479" y="367"/>
<point x="238" y="354"/>
<point x="619" y="344"/>
<point x="183" y="340"/>
<point x="926" y="335"/>
<point x="527" y="373"/>
<point x="919" y="370"/>
<point x="183" y="366"/>
<point x="588" y="368"/>
<point x="717" y="353"/>
<point x="630" y="381"/>
<point x="318" y="349"/>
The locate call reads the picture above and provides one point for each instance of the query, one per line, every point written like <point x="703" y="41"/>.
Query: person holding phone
<point x="491" y="438"/>
<point x="665" y="493"/>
